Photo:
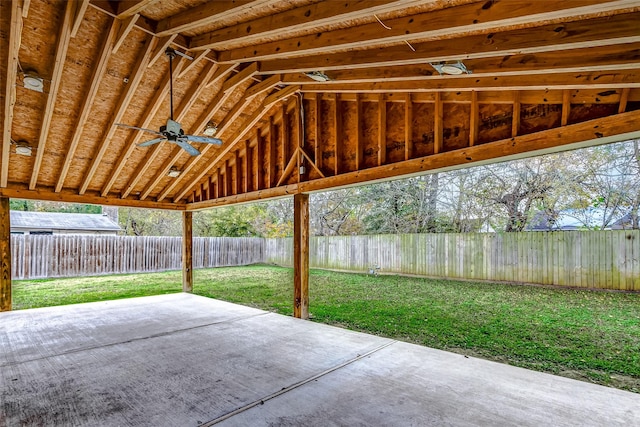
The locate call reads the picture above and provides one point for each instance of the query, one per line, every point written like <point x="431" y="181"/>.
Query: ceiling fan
<point x="172" y="132"/>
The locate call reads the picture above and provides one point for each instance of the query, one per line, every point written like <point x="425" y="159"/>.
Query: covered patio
<point x="187" y="360"/>
<point x="283" y="98"/>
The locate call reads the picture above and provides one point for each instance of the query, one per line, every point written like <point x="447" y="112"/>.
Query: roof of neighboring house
<point x="62" y="221"/>
<point x="569" y="219"/>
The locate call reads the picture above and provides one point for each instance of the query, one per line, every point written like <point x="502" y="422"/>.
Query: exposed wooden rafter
<point x="56" y="78"/>
<point x="123" y="103"/>
<point x="15" y="34"/>
<point x="98" y="72"/>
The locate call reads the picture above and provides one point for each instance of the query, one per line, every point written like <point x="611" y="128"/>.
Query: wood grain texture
<point x="5" y="255"/>
<point x="187" y="252"/>
<point x="301" y="256"/>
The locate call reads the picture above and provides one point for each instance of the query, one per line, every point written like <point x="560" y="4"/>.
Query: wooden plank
<point x="515" y="117"/>
<point x="98" y="73"/>
<point x="200" y="56"/>
<point x="124" y="28"/>
<point x="358" y="132"/>
<point x="162" y="43"/>
<point x="298" y="19"/>
<point x="601" y="31"/>
<point x="284" y="142"/>
<point x="317" y="156"/>
<point x="445" y="23"/>
<point x="64" y="37"/>
<point x="438" y="126"/>
<point x="474" y="119"/>
<point x="301" y="256"/>
<point x="624" y="97"/>
<point x="408" y="125"/>
<point x="258" y="159"/>
<point x="187" y="252"/>
<point x="337" y="135"/>
<point x="566" y="107"/>
<point x="15" y="34"/>
<point x="118" y="113"/>
<point x="127" y="8"/>
<point x="271" y="159"/>
<point x="81" y="9"/>
<point x="243" y="75"/>
<point x="246" y="165"/>
<point x="5" y="255"/>
<point x="382" y="130"/>
<point x="204" y="14"/>
<point x="152" y="109"/>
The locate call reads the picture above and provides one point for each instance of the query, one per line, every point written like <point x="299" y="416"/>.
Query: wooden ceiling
<point x="544" y="75"/>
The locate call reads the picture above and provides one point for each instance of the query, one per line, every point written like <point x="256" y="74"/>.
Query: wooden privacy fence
<point x="591" y="259"/>
<point x="69" y="255"/>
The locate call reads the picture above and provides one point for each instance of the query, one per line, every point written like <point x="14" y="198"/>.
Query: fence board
<point x="590" y="259"/>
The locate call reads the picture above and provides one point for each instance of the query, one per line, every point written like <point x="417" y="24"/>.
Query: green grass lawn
<point x="588" y="335"/>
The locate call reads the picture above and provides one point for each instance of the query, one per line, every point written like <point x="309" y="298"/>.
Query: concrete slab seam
<point x="294" y="386"/>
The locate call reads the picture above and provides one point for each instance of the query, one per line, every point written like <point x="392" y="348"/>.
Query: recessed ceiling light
<point x="173" y="173"/>
<point x="33" y="82"/>
<point x="23" y="150"/>
<point x="451" y="68"/>
<point x="318" y="76"/>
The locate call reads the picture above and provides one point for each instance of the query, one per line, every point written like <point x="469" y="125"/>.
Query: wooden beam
<point x="284" y="141"/>
<point x="61" y="53"/>
<point x="193" y="63"/>
<point x="445" y="23"/>
<point x="124" y="28"/>
<point x="242" y="76"/>
<point x="382" y="130"/>
<point x="438" y="126"/>
<point x="301" y="256"/>
<point x="264" y="86"/>
<point x="246" y="164"/>
<point x="337" y="134"/>
<point x="408" y="125"/>
<point x="247" y="126"/>
<point x="257" y="159"/>
<point x="566" y="107"/>
<point x="5" y="255"/>
<point x="358" y="132"/>
<point x="587" y="59"/>
<point x="187" y="252"/>
<point x="99" y="71"/>
<point x="617" y="127"/>
<point x="474" y="119"/>
<point x="162" y="45"/>
<point x="588" y="80"/>
<point x="624" y="98"/>
<point x="294" y="20"/>
<point x="81" y="9"/>
<point x="317" y="154"/>
<point x="515" y="116"/>
<point x="237" y="188"/>
<point x="128" y="8"/>
<point x="118" y="112"/>
<point x="90" y="197"/>
<point x="553" y="37"/>
<point x="15" y="35"/>
<point x="271" y="160"/>
<point x="205" y="14"/>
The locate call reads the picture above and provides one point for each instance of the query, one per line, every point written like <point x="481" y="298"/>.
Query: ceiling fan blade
<point x="138" y="128"/>
<point x="182" y="143"/>
<point x="151" y="142"/>
<point x="203" y="139"/>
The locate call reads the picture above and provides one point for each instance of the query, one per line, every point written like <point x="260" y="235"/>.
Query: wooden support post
<point x="271" y="162"/>
<point x="301" y="256"/>
<point x="258" y="159"/>
<point x="246" y="167"/>
<point x="438" y="127"/>
<point x="359" y="119"/>
<point x="317" y="155"/>
<point x="624" y="98"/>
<point x="566" y="107"/>
<point x="474" y="119"/>
<point x="515" y="119"/>
<point x="5" y="255"/>
<point x="382" y="130"/>
<point x="337" y="134"/>
<point x="408" y="125"/>
<point x="187" y="253"/>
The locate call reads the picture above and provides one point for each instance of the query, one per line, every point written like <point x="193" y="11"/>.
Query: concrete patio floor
<point x="185" y="360"/>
